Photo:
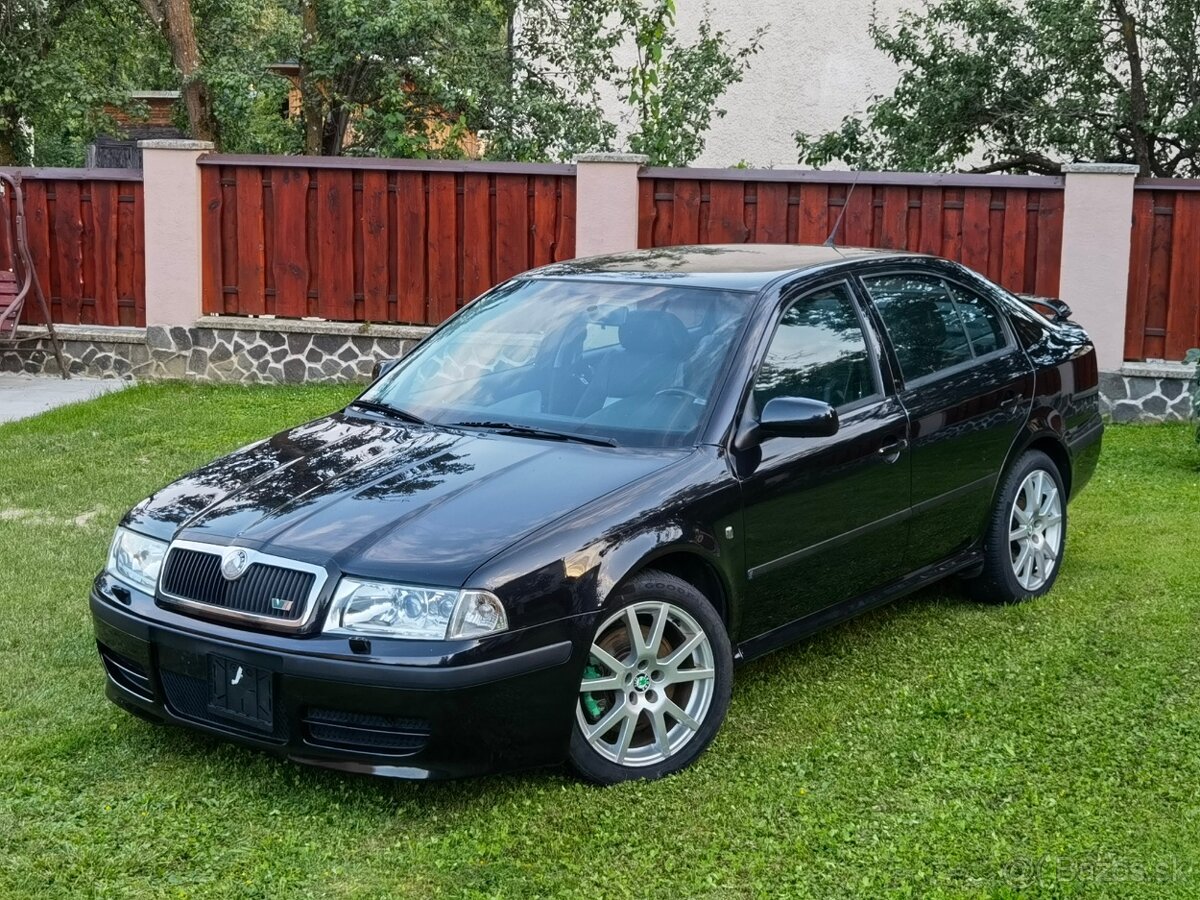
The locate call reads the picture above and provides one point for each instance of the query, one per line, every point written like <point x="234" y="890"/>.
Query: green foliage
<point x="935" y="748"/>
<point x="1029" y="84"/>
<point x="672" y="89"/>
<point x="60" y="61"/>
<point x="238" y="39"/>
<point x="414" y="78"/>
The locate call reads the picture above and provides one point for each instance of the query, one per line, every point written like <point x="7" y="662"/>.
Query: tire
<point x="1023" y="553"/>
<point x="658" y="712"/>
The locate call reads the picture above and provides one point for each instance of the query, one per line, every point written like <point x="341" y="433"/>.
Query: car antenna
<point x="831" y="241"/>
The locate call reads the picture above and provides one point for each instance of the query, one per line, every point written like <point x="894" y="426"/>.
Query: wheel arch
<point x="697" y="562"/>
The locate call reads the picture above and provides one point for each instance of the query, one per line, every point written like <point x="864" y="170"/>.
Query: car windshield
<point x="634" y="364"/>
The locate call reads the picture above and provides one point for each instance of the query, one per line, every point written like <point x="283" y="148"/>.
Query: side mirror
<point x="797" y="417"/>
<point x="382" y="367"/>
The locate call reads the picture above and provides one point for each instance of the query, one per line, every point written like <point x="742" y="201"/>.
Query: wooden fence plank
<point x="442" y="245"/>
<point x="1012" y="254"/>
<point x="374" y="229"/>
<point x="478" y="232"/>
<point x="104" y="249"/>
<point x="857" y="226"/>
<point x="1049" y="243"/>
<point x="685" y="212"/>
<point x="646" y="211"/>
<point x="544" y="228"/>
<point x="139" y="253"/>
<point x="37" y="227"/>
<point x="67" y="237"/>
<point x="335" y="237"/>
<point x="727" y="213"/>
<point x="211" y="281"/>
<point x="564" y="247"/>
<point x="664" y="215"/>
<point x="771" y="216"/>
<point x="893" y="232"/>
<point x="1158" y="295"/>
<point x="410" y="247"/>
<point x="1183" y="308"/>
<point x="1139" y="274"/>
<point x="289" y="263"/>
<point x="814" y="223"/>
<point x="512" y="226"/>
<point x="251" y="283"/>
<point x="975" y="226"/>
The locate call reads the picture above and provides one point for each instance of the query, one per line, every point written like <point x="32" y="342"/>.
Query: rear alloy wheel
<point x="656" y="686"/>
<point x="1027" y="533"/>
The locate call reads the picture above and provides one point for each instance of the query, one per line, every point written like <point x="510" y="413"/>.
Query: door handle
<point x="1011" y="400"/>
<point x="891" y="448"/>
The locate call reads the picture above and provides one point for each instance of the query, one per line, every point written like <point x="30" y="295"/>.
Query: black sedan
<point x="552" y="530"/>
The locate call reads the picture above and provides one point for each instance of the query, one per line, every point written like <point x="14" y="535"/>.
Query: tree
<point x="562" y="55"/>
<point x="174" y="19"/>
<point x="673" y="88"/>
<point x="1029" y="84"/>
<point x="60" y="62"/>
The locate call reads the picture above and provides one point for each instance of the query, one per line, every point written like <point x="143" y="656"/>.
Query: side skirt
<point x="848" y="609"/>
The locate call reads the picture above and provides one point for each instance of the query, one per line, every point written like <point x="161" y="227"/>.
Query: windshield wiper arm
<point x="529" y="431"/>
<point x="392" y="412"/>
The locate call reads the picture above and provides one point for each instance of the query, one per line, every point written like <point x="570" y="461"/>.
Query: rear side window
<point x="980" y="319"/>
<point x="922" y="322"/>
<point x="935" y="324"/>
<point x="819" y="352"/>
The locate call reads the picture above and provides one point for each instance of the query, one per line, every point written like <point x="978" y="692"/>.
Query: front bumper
<point x="400" y="708"/>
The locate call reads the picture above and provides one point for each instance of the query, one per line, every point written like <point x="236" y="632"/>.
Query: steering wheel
<point x="680" y="392"/>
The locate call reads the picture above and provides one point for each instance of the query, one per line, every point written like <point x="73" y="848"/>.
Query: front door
<point x="825" y="518"/>
<point x="967" y="388"/>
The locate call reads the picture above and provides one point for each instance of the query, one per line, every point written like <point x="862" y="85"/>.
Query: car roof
<point x="747" y="267"/>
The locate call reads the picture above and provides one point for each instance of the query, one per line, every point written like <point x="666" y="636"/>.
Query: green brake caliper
<point x="590" y="703"/>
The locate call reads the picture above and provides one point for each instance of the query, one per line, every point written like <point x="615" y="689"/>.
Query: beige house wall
<point x="817" y="64"/>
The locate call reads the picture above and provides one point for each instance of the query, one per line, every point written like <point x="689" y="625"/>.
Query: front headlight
<point x="136" y="559"/>
<point x="405" y="611"/>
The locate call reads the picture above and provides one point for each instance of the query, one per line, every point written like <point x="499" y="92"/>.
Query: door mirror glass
<point x="797" y="417"/>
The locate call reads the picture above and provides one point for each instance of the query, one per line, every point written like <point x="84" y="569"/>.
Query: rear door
<point x="825" y="517"/>
<point x="967" y="387"/>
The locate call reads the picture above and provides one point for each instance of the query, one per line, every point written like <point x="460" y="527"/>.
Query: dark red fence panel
<point x="1162" y="320"/>
<point x="87" y="239"/>
<point x="374" y="240"/>
<point x="1007" y="227"/>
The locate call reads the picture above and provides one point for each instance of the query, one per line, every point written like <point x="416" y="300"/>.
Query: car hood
<point x="410" y="503"/>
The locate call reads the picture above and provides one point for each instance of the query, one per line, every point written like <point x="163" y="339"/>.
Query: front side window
<point x="922" y="322"/>
<point x="819" y="352"/>
<point x="634" y="363"/>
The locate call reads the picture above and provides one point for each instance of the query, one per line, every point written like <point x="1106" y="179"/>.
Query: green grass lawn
<point x="934" y="748"/>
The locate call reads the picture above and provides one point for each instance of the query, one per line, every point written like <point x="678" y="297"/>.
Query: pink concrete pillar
<point x="171" y="180"/>
<point x="1097" y="218"/>
<point x="606" y="202"/>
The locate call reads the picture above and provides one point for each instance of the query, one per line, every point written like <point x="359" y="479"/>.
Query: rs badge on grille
<point x="233" y="564"/>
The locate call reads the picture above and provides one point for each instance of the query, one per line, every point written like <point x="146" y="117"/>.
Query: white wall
<point x="817" y="64"/>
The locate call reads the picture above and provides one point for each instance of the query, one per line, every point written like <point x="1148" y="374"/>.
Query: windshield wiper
<point x="528" y="431"/>
<point x="392" y="412"/>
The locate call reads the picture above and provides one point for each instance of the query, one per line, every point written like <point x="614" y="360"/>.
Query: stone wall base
<point x="221" y="349"/>
<point x="289" y="351"/>
<point x="1150" y="392"/>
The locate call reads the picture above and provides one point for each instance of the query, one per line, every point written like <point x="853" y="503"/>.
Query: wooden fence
<point x="1007" y="227"/>
<point x="374" y="240"/>
<point x="87" y="240"/>
<point x="1162" y="319"/>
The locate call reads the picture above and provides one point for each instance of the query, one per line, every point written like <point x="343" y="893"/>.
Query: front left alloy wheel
<point x="657" y="683"/>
